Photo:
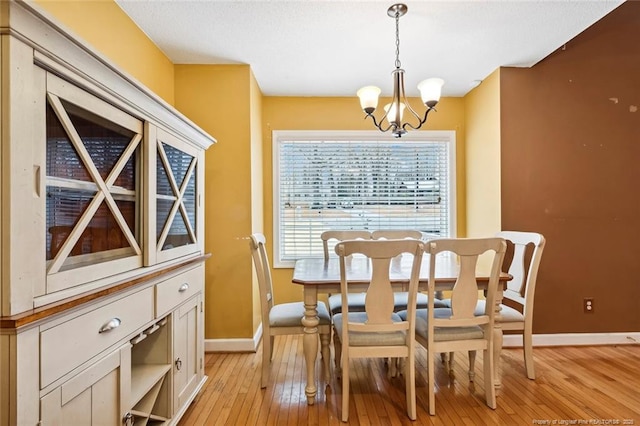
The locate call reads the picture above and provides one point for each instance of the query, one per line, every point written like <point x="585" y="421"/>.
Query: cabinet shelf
<point x="144" y="378"/>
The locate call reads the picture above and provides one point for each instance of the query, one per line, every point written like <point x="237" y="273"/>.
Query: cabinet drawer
<point x="174" y="291"/>
<point x="73" y="342"/>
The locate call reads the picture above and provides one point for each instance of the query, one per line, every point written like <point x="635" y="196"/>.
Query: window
<point x="359" y="180"/>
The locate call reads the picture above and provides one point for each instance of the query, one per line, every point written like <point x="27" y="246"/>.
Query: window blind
<point x="359" y="183"/>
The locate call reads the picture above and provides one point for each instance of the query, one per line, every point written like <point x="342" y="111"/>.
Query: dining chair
<point x="400" y="297"/>
<point x="284" y="318"/>
<point x="355" y="300"/>
<point x="378" y="332"/>
<point x="516" y="311"/>
<point x="458" y="327"/>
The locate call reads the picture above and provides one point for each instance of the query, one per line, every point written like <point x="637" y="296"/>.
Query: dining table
<point x="320" y="276"/>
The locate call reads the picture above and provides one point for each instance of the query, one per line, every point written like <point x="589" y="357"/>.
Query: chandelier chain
<point x="398" y="39"/>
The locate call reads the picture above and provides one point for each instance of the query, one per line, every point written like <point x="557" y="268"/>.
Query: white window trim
<point x="278" y="136"/>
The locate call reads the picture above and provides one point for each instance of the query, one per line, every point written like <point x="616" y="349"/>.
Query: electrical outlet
<point x="587" y="305"/>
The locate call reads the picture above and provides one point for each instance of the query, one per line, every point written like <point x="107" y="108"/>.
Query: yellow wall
<point x="103" y="25"/>
<point x="218" y="98"/>
<point x="307" y="113"/>
<point x="257" y="188"/>
<point x="483" y="157"/>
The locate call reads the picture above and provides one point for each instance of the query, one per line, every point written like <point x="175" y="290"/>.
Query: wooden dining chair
<point x="458" y="327"/>
<point x="284" y="318"/>
<point x="378" y="332"/>
<point x="516" y="311"/>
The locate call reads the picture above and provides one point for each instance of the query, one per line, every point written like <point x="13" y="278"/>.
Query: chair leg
<point x="325" y="341"/>
<point x="345" y="390"/>
<point x="410" y="380"/>
<point x="528" y="354"/>
<point x="489" y="387"/>
<point x="392" y="367"/>
<point x="271" y="345"/>
<point x="431" y="384"/>
<point x="472" y="365"/>
<point x="337" y="346"/>
<point x="267" y="348"/>
<point x="449" y="365"/>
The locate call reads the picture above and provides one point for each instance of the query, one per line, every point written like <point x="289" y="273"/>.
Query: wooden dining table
<point x="319" y="276"/>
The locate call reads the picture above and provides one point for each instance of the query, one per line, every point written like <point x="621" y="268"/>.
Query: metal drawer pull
<point x="184" y="287"/>
<point x="113" y="323"/>
<point x="178" y="364"/>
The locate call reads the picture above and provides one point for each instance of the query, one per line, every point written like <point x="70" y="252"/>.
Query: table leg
<point x="497" y="340"/>
<point x="310" y="340"/>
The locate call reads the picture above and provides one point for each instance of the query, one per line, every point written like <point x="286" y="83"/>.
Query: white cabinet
<point x="93" y="397"/>
<point x="188" y="364"/>
<point x="101" y="187"/>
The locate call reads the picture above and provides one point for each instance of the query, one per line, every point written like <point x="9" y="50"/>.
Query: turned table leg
<point x="310" y="340"/>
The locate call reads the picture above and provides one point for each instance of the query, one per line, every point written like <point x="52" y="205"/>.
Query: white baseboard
<point x="574" y="339"/>
<point x="234" y="345"/>
<point x="510" y="341"/>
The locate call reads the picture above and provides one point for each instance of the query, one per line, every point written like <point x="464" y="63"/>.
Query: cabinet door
<point x="188" y="351"/>
<point x="93" y="187"/>
<point x="93" y="397"/>
<point x="175" y="210"/>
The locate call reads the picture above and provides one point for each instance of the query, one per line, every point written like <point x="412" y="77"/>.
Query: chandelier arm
<point x="408" y="106"/>
<point x="379" y="126"/>
<point x="422" y="121"/>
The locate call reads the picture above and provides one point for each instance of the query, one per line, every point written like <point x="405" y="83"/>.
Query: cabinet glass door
<point x="93" y="183"/>
<point x="177" y="222"/>
<point x="176" y="198"/>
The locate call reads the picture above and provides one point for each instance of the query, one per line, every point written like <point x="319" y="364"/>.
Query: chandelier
<point x="430" y="90"/>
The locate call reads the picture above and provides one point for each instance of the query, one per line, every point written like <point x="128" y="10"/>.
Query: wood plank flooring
<point x="594" y="385"/>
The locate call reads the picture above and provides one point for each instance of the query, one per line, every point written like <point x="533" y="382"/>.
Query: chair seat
<point x="291" y="314"/>
<point x="396" y="338"/>
<point x="507" y="313"/>
<point x="356" y="302"/>
<point x="442" y="334"/>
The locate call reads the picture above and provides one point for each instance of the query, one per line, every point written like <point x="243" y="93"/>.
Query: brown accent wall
<point x="570" y="160"/>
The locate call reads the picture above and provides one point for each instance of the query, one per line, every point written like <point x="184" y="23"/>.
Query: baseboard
<point x="234" y="345"/>
<point x="510" y="341"/>
<point x="574" y="339"/>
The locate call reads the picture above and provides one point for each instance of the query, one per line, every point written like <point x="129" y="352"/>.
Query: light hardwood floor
<point x="574" y="385"/>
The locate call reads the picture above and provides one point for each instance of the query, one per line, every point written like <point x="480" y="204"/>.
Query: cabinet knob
<point x="178" y="364"/>
<point x="110" y="325"/>
<point x="128" y="419"/>
<point x="184" y="287"/>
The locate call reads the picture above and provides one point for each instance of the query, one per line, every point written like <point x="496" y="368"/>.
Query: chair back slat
<point x="464" y="295"/>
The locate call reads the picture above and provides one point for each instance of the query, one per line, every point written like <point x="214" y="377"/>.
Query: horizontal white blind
<point x="358" y="184"/>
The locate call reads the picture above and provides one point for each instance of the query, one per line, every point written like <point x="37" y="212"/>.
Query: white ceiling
<point x="332" y="48"/>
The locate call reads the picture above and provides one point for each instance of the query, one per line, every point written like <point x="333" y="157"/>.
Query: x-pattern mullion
<point x="178" y="193"/>
<point x="102" y="194"/>
<point x="183" y="208"/>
